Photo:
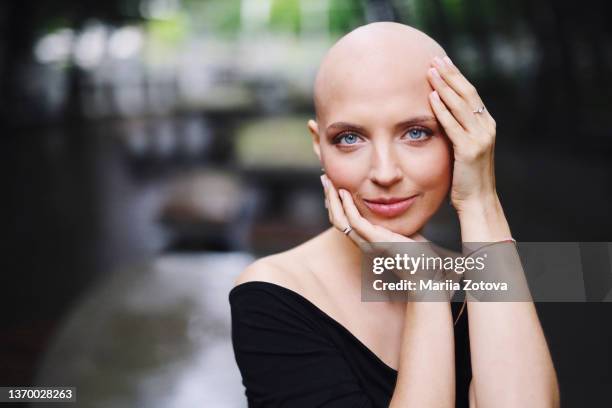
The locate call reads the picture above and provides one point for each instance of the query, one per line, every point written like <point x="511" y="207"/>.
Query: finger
<point x="455" y="103"/>
<point x="459" y="83"/>
<point x="453" y="129"/>
<point x="329" y="214"/>
<point x="337" y="217"/>
<point x="456" y="80"/>
<point x="341" y="220"/>
<point x="359" y="224"/>
<point x="324" y="193"/>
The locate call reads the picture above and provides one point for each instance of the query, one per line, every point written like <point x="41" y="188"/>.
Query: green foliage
<point x="220" y="17"/>
<point x="169" y="31"/>
<point x="345" y="15"/>
<point x="285" y="15"/>
<point x="454" y="11"/>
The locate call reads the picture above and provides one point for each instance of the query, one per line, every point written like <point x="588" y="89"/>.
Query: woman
<point x="397" y="126"/>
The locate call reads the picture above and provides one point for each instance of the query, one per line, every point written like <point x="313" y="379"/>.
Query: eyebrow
<point x="412" y="121"/>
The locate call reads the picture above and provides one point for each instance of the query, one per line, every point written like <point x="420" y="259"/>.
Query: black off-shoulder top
<point x="292" y="354"/>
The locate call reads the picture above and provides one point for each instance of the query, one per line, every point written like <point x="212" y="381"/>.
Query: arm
<point x="426" y="375"/>
<point x="511" y="363"/>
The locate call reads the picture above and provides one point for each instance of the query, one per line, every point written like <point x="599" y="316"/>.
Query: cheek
<point x="431" y="173"/>
<point x="430" y="168"/>
<point x="344" y="170"/>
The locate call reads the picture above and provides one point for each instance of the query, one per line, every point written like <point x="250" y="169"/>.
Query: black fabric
<point x="292" y="354"/>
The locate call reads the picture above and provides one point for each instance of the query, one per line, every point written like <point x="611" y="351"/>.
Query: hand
<point x="472" y="135"/>
<point x="342" y="213"/>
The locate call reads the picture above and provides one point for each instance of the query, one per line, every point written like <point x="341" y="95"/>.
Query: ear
<point x="313" y="127"/>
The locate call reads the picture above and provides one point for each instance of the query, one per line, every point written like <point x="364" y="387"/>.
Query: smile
<point x="390" y="207"/>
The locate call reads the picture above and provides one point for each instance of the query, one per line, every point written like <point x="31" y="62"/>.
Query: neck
<point x="346" y="258"/>
<point x="343" y="250"/>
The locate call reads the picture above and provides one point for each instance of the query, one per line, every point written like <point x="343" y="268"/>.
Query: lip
<point x="390" y="207"/>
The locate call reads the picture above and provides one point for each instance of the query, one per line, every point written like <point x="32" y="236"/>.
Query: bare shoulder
<point x="281" y="269"/>
<point x="292" y="268"/>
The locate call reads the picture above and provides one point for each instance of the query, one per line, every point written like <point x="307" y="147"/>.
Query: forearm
<point x="483" y="221"/>
<point x="511" y="363"/>
<point x="426" y="375"/>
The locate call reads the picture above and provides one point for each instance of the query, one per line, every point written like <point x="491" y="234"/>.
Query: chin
<point x="407" y="225"/>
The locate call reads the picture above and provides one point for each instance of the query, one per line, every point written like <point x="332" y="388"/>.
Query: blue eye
<point x="348" y="138"/>
<point x="418" y="134"/>
<point x="415" y="134"/>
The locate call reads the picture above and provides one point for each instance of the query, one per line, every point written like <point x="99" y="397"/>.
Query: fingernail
<point x="438" y="61"/>
<point x="435" y="72"/>
<point x="448" y="61"/>
<point x="323" y="180"/>
<point x="435" y="95"/>
<point x="342" y="194"/>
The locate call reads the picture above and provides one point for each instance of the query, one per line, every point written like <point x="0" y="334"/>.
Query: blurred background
<point x="153" y="148"/>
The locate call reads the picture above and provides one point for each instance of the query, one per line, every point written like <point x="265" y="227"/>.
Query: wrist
<point x="483" y="220"/>
<point x="482" y="204"/>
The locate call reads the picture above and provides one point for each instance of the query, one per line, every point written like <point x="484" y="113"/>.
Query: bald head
<point x="373" y="59"/>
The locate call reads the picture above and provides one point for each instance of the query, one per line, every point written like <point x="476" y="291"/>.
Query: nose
<point x="385" y="170"/>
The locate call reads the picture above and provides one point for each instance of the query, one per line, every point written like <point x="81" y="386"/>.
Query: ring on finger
<point x="480" y="110"/>
<point x="347" y="230"/>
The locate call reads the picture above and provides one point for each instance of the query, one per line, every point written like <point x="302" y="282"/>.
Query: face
<point x="377" y="137"/>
